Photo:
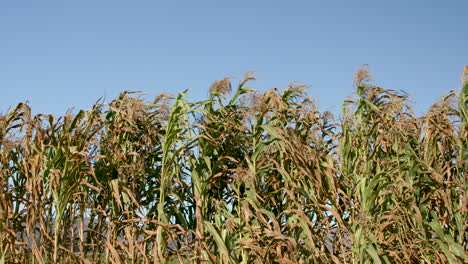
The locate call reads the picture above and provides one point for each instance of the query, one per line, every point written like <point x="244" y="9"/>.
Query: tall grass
<point x="248" y="178"/>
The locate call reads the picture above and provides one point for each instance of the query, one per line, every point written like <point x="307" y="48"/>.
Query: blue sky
<point x="59" y="54"/>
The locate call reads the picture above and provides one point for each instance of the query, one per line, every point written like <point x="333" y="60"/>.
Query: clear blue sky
<point x="59" y="54"/>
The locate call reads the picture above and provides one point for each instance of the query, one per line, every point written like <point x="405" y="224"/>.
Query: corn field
<point x="242" y="177"/>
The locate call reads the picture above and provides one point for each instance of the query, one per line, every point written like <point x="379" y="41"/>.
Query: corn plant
<point x="244" y="178"/>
